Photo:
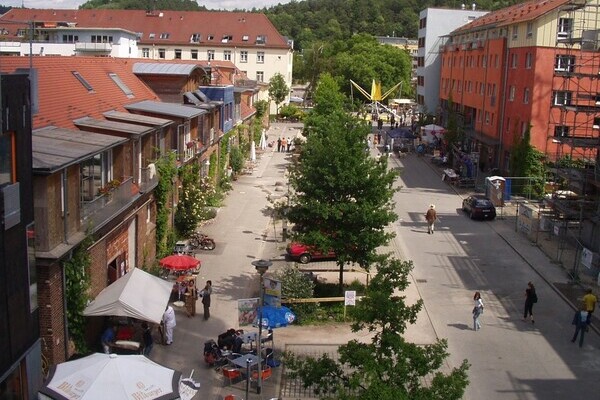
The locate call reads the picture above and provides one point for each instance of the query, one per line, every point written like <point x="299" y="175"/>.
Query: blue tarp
<point x="400" y="133"/>
<point x="275" y="317"/>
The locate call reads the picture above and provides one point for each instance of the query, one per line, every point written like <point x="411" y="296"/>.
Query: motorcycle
<point x="201" y="241"/>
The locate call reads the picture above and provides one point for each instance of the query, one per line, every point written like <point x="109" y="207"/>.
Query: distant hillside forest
<point x="325" y="20"/>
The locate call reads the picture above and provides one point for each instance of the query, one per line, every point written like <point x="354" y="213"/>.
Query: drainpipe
<point x="65" y="320"/>
<point x="65" y="194"/>
<point x="503" y="106"/>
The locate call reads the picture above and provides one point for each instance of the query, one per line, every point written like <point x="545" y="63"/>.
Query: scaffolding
<point x="574" y="126"/>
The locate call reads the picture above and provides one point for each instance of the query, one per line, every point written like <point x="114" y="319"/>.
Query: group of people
<point x="284" y="144"/>
<point x="581" y="319"/>
<point x="192" y="294"/>
<point x="109" y="337"/>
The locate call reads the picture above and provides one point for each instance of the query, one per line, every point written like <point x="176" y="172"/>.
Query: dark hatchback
<point x="479" y="207"/>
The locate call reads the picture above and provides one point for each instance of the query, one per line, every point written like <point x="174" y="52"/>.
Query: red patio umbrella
<point x="179" y="262"/>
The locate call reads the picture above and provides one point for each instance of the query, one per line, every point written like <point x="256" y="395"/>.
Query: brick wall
<point x="52" y="331"/>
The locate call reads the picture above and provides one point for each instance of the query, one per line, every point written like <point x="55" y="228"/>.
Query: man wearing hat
<point x="430" y="216"/>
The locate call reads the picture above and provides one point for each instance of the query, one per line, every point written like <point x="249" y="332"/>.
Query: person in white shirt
<point x="169" y="323"/>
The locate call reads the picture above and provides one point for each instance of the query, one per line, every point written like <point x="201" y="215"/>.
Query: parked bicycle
<point x="201" y="241"/>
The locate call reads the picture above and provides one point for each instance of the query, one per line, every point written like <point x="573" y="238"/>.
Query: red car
<point x="304" y="253"/>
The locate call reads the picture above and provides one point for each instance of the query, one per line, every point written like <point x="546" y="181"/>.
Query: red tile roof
<point x="517" y="13"/>
<point x="179" y="25"/>
<point x="62" y="98"/>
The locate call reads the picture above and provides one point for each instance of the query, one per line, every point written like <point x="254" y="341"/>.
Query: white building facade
<point x="434" y="25"/>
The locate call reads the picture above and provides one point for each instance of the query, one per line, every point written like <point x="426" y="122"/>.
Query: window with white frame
<point x="487" y="117"/>
<point x="178" y="54"/>
<point x="526" y="96"/>
<point x="528" y="60"/>
<point x="562" y="97"/>
<point x="161" y="53"/>
<point x="145" y="52"/>
<point x="194" y="54"/>
<point x="95" y="173"/>
<point x="102" y="39"/>
<point x="564" y="63"/>
<point x="511" y="93"/>
<point x="514" y="60"/>
<point x="164" y="35"/>
<point x="529" y="29"/>
<point x="244" y="56"/>
<point x="70" y="38"/>
<point x="227" y="55"/>
<point x="260" y="76"/>
<point x="260" y="57"/>
<point x="515" y="32"/>
<point x="565" y="26"/>
<point x="210" y="55"/>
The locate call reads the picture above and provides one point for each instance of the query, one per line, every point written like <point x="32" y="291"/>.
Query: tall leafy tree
<point x="528" y="162"/>
<point x="389" y="367"/>
<point x="278" y="89"/>
<point x="343" y="197"/>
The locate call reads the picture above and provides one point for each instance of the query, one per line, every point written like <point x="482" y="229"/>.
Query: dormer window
<point x="245" y="38"/>
<point x="226" y="38"/>
<point x="211" y="37"/>
<point x="195" y="38"/>
<point x="164" y="35"/>
<point x="152" y="35"/>
<point x="261" y="39"/>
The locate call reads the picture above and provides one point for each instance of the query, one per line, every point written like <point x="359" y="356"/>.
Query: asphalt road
<point x="510" y="358"/>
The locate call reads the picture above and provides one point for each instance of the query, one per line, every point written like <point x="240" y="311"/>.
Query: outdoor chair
<point x="267" y="372"/>
<point x="233" y="375"/>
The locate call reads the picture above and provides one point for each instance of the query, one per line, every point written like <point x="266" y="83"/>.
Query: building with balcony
<point x="434" y="26"/>
<point x="21" y="305"/>
<point x="248" y="40"/>
<point x="533" y="67"/>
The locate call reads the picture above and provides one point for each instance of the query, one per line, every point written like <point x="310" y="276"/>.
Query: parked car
<point x="479" y="206"/>
<point x="304" y="253"/>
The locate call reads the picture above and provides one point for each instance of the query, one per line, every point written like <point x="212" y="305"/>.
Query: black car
<point x="478" y="206"/>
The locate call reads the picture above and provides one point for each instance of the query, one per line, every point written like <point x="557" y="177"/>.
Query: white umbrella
<point x="137" y="294"/>
<point x="253" y="151"/>
<point x="109" y="376"/>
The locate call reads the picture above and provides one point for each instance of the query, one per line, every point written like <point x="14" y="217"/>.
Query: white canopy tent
<point x="430" y="132"/>
<point x="137" y="294"/>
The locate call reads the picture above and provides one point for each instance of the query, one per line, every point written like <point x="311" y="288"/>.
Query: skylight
<point x="82" y="80"/>
<point x="121" y="84"/>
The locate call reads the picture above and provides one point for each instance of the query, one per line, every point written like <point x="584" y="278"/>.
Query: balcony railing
<point x="88" y="46"/>
<point x="102" y="209"/>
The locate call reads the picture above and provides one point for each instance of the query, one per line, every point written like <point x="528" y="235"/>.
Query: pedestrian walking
<point x="283" y="144"/>
<point x="530" y="300"/>
<point x="288" y="144"/>
<point x="477" y="311"/>
<point x="108" y="338"/>
<point x="590" y="301"/>
<point x="581" y="320"/>
<point x="147" y="337"/>
<point x="206" y="293"/>
<point x="279" y="145"/>
<point x="431" y="216"/>
<point x="169" y="323"/>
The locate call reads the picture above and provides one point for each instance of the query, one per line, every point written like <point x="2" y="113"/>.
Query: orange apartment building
<point x="536" y="66"/>
<point x="525" y="66"/>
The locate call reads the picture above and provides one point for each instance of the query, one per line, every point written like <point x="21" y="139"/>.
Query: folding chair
<point x="231" y="374"/>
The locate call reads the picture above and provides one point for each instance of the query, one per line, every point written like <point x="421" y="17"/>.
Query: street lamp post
<point x="261" y="267"/>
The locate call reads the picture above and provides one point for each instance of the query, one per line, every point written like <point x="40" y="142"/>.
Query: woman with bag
<point x="477" y="311"/>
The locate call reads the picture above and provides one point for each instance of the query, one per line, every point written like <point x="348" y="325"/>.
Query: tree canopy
<point x="342" y="197"/>
<point x="179" y="5"/>
<point x="389" y="367"/>
<point x="278" y="89"/>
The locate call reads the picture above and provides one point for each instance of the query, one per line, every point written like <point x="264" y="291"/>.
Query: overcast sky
<point x="210" y="4"/>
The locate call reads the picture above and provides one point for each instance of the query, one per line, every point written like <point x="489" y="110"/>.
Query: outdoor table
<point x="126" y="347"/>
<point x="242" y="362"/>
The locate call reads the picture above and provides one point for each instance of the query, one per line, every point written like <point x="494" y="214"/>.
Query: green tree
<point x="389" y="367"/>
<point x="528" y="162"/>
<point x="454" y="133"/>
<point x="278" y="89"/>
<point x="190" y="207"/>
<point x="342" y="198"/>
